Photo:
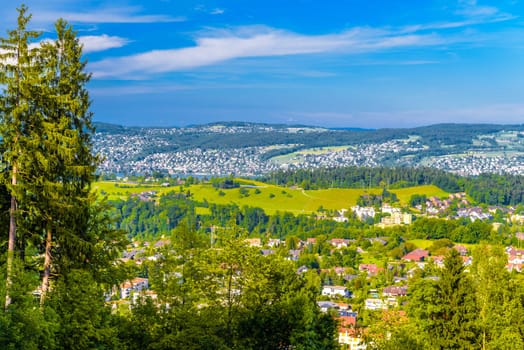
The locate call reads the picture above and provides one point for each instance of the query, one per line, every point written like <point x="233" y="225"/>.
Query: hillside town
<point x="149" y="150"/>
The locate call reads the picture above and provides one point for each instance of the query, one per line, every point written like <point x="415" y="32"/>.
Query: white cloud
<point x="256" y="42"/>
<point x="108" y="15"/>
<point x="217" y="11"/>
<point x="470" y="9"/>
<point x="103" y="42"/>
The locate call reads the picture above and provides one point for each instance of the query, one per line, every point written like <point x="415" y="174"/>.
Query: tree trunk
<point x="47" y="266"/>
<point x="11" y="242"/>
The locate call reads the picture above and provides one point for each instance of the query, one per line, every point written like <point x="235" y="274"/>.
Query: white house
<point x="333" y="291"/>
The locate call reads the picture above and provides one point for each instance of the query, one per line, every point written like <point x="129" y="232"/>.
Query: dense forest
<point x="490" y="189"/>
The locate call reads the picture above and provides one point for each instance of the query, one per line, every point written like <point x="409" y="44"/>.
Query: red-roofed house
<point x="417" y="255"/>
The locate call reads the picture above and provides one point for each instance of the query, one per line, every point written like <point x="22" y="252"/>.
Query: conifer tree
<point x="18" y="77"/>
<point x="446" y="309"/>
<point x="64" y="164"/>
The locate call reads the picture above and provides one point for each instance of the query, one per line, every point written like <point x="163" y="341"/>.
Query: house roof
<point x="416" y="255"/>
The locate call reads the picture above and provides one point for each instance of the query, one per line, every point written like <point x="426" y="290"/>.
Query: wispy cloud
<point x="105" y="15"/>
<point x="217" y="11"/>
<point x="220" y="45"/>
<point x="93" y="43"/>
<point x="138" y="89"/>
<point x="257" y="41"/>
<point x="475" y="12"/>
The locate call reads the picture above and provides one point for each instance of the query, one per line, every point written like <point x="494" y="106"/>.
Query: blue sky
<point x="344" y="63"/>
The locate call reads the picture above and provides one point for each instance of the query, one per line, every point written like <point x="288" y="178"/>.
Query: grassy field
<point x="268" y="197"/>
<point x="286" y="158"/>
<point x="115" y="190"/>
<point x="404" y="194"/>
<point x="425" y="243"/>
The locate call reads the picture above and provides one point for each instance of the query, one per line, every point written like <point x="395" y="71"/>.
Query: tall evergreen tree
<point x="446" y="309"/>
<point x="64" y="164"/>
<point x="18" y="77"/>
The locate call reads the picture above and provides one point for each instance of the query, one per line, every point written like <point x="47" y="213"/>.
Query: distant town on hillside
<point x="250" y="149"/>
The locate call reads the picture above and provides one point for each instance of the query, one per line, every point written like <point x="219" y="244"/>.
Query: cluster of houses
<point x="433" y="206"/>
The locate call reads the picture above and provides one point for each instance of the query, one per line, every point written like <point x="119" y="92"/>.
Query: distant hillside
<point x="252" y="149"/>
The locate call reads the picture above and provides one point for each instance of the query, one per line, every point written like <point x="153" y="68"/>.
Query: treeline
<point x="490" y="189"/>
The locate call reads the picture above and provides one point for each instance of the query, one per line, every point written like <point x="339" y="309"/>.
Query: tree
<point x="18" y="76"/>
<point x="49" y="166"/>
<point x="499" y="300"/>
<point x="446" y="309"/>
<point x="63" y="163"/>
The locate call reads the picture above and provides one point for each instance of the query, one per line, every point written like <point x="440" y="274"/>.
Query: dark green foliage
<point x="78" y="303"/>
<point x="22" y="325"/>
<point x="446" y="309"/>
<point x="417" y="199"/>
<point x="228" y="297"/>
<point x="226" y="183"/>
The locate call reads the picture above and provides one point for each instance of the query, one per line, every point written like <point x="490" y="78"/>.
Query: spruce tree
<point x="446" y="309"/>
<point x="18" y="78"/>
<point x="64" y="164"/>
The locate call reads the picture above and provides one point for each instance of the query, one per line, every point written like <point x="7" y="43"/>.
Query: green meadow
<point x="426" y="243"/>
<point x="271" y="198"/>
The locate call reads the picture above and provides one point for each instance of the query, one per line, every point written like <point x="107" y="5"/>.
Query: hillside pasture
<point x="269" y="197"/>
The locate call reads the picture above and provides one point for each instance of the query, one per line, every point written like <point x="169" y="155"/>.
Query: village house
<point x="362" y="213"/>
<point x="396" y="219"/>
<point x="438" y="260"/>
<point x="395" y="291"/>
<point x="325" y="306"/>
<point x="339" y="242"/>
<point x="341" y="217"/>
<point x="380" y="304"/>
<point x="273" y="242"/>
<point x="334" y="291"/>
<point x="461" y="249"/>
<point x="293" y="254"/>
<point x="416" y="255"/>
<point x="137" y="284"/>
<point x="371" y="269"/>
<point x="351" y="338"/>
